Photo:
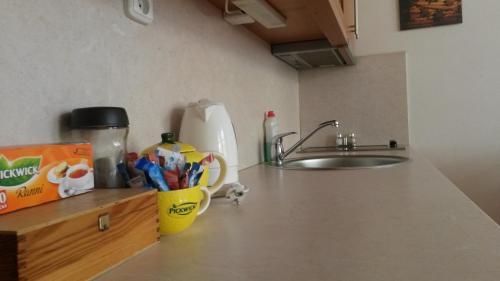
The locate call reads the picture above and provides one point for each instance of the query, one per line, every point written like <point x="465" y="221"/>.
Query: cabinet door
<point x="329" y="16"/>
<point x="350" y="13"/>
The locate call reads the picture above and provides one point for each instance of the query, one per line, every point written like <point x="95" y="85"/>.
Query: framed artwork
<point x="427" y="13"/>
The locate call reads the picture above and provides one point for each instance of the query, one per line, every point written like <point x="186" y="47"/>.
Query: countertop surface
<point x="407" y="222"/>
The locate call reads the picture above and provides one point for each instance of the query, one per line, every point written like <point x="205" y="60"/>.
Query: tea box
<point x="35" y="174"/>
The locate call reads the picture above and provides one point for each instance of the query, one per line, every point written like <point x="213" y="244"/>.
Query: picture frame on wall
<point x="429" y="13"/>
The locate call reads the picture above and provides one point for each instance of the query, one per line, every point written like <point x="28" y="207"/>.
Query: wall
<point x="453" y="91"/>
<point x="57" y="55"/>
<point x="368" y="99"/>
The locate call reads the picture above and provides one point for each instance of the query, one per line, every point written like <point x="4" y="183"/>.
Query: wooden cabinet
<point x="308" y="20"/>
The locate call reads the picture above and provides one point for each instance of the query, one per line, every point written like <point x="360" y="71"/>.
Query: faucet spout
<point x="282" y="154"/>
<point x="334" y="123"/>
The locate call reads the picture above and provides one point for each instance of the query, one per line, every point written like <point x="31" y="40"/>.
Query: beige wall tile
<point x="368" y="99"/>
<point x="57" y="55"/>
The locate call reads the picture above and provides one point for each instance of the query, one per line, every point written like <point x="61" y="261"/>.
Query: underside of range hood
<point x="312" y="54"/>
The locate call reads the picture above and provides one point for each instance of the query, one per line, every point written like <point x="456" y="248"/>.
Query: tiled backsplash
<point x="58" y="55"/>
<point x="369" y="99"/>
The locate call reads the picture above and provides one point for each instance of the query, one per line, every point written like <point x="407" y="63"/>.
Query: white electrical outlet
<point x="140" y="11"/>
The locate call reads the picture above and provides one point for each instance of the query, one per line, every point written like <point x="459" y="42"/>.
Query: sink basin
<point x="337" y="162"/>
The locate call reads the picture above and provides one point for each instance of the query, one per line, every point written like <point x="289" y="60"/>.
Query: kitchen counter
<point x="407" y="222"/>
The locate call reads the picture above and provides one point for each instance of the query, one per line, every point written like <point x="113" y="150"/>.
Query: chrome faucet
<point x="281" y="154"/>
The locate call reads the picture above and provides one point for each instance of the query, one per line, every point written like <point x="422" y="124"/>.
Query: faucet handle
<point x="279" y="150"/>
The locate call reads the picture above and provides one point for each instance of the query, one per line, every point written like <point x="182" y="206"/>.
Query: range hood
<point x="311" y="54"/>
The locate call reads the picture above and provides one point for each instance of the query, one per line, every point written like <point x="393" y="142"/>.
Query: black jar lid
<point x="99" y="117"/>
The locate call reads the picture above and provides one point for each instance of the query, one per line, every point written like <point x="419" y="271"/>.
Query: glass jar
<point x="106" y="128"/>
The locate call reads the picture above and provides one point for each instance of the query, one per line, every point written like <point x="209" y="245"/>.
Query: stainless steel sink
<point x="337" y="162"/>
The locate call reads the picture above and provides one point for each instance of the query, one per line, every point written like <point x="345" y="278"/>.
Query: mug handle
<point x="222" y="175"/>
<point x="205" y="202"/>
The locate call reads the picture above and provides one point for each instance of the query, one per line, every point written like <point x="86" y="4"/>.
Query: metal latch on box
<point x="103" y="222"/>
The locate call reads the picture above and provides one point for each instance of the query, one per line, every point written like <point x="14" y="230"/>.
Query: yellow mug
<point x="179" y="208"/>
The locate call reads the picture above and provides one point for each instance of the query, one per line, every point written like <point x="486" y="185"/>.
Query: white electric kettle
<point x="207" y="126"/>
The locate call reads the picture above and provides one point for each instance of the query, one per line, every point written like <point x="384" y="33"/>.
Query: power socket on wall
<point x="140" y="11"/>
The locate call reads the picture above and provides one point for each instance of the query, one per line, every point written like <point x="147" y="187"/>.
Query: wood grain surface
<point x="300" y="24"/>
<point x="305" y="21"/>
<point x="74" y="248"/>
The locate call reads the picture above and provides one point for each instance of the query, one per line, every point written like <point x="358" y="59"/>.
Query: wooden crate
<point x="62" y="240"/>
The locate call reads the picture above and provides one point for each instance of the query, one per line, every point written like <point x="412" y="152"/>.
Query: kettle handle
<point x="222" y="175"/>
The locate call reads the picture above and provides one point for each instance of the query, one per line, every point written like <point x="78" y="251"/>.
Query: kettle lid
<point x="205" y="108"/>
<point x="204" y="103"/>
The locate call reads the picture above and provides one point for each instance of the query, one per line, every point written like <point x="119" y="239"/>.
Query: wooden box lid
<point x="30" y="219"/>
